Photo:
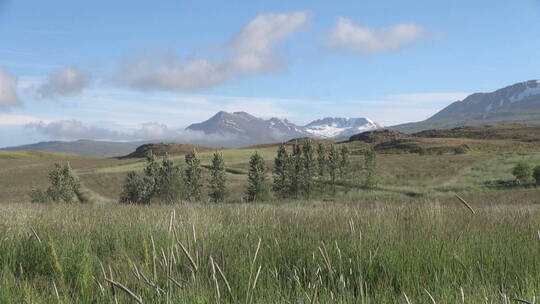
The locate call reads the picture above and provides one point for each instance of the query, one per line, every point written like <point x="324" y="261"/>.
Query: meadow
<point x="410" y="240"/>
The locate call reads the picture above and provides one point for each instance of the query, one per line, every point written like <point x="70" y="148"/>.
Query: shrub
<point x="218" y="180"/>
<point x="370" y="166"/>
<point x="309" y="167"/>
<point x="167" y="181"/>
<point x="137" y="189"/>
<point x="39" y="197"/>
<point x="281" y="179"/>
<point x="522" y="172"/>
<point x="192" y="176"/>
<point x="536" y="174"/>
<point x="63" y="187"/>
<point x="460" y="150"/>
<point x="333" y="166"/>
<point x="257" y="189"/>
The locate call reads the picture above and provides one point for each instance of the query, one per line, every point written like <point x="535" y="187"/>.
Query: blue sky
<point x="124" y="70"/>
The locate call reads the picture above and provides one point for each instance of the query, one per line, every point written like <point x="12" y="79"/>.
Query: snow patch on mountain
<point x="337" y="127"/>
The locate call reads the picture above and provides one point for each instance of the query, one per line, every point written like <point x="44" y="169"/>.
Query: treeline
<point x="303" y="172"/>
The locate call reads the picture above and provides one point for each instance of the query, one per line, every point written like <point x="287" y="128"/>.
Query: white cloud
<point x="365" y="41"/>
<point x="250" y="52"/>
<point x="18" y="120"/>
<point x="73" y="129"/>
<point x="8" y="90"/>
<point x="63" y="83"/>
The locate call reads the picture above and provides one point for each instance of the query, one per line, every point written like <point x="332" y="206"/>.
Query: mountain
<point x="518" y="103"/>
<point x="82" y="147"/>
<point x="245" y="129"/>
<point x="330" y="127"/>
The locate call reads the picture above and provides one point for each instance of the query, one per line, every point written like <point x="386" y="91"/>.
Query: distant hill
<point x="160" y="149"/>
<point x="81" y="147"/>
<point x="515" y="104"/>
<point x="502" y="138"/>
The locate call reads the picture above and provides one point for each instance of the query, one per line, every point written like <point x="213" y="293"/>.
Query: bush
<point x="257" y="189"/>
<point x="39" y="197"/>
<point x="64" y="187"/>
<point x="460" y="150"/>
<point x="536" y="174"/>
<point x="137" y="189"/>
<point x="522" y="172"/>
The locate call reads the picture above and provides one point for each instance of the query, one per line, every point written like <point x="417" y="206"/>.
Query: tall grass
<point x="353" y="252"/>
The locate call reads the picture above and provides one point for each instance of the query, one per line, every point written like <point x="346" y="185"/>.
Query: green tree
<point x="345" y="165"/>
<point x="370" y="168"/>
<point x="167" y="178"/>
<point x="333" y="166"/>
<point x="281" y="173"/>
<point x="257" y="189"/>
<point x="151" y="171"/>
<point x="193" y="176"/>
<point x="522" y="172"/>
<point x="218" y="179"/>
<point x="295" y="171"/>
<point x="309" y="167"/>
<point x="536" y="174"/>
<point x="137" y="189"/>
<point x="321" y="160"/>
<point x="64" y="186"/>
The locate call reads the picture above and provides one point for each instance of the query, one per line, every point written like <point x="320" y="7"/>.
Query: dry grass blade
<point x="214" y="278"/>
<point x="223" y="277"/>
<point x="256" y="252"/>
<point x="35" y="234"/>
<point x="430" y="296"/>
<point x="465" y="203"/>
<point x="191" y="260"/>
<point x="256" y="277"/>
<point x="406" y="298"/>
<point x="522" y="301"/>
<point x="126" y="290"/>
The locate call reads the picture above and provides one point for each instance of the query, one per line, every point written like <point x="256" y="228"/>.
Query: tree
<point x="151" y="171"/>
<point x="321" y="160"/>
<point x="522" y="172"/>
<point x="217" y="185"/>
<point x="281" y="173"/>
<point x="344" y="164"/>
<point x="333" y="166"/>
<point x="192" y="176"/>
<point x="64" y="186"/>
<point x="370" y="166"/>
<point x="137" y="189"/>
<point x="536" y="174"/>
<point x="309" y="167"/>
<point x="167" y="180"/>
<point x="295" y="171"/>
<point x="257" y="189"/>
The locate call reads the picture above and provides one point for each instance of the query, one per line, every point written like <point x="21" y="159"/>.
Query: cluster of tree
<point x="167" y="182"/>
<point x="63" y="187"/>
<point x="305" y="168"/>
<point x="524" y="173"/>
<point x="299" y="173"/>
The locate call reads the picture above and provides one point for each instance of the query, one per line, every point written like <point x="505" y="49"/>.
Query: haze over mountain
<point x="82" y="147"/>
<point x="249" y="129"/>
<point x="517" y="103"/>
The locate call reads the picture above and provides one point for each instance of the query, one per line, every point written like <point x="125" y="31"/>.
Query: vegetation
<point x="522" y="172"/>
<point x="192" y="176"/>
<point x="64" y="187"/>
<point x="217" y="185"/>
<point x="536" y="174"/>
<point x="257" y="189"/>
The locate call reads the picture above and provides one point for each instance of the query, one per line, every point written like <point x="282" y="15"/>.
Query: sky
<point x="139" y="70"/>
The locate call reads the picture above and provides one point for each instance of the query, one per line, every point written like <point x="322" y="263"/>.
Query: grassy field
<point x="408" y="241"/>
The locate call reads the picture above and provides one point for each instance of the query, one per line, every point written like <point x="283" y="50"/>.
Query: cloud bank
<point x="347" y="36"/>
<point x="63" y="83"/>
<point x="8" y="91"/>
<point x="75" y="129"/>
<point x="250" y="52"/>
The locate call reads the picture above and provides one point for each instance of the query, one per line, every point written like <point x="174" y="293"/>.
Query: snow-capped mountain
<point x="517" y="103"/>
<point x="338" y="127"/>
<point x="243" y="128"/>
